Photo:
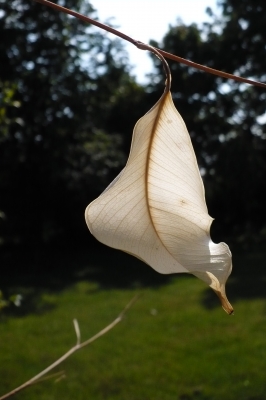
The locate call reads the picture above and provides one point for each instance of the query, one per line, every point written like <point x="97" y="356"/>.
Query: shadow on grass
<point x="53" y="270"/>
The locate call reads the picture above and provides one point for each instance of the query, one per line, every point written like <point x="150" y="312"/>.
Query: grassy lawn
<point x="175" y="343"/>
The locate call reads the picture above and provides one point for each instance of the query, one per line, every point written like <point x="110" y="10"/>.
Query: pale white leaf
<point x="156" y="210"/>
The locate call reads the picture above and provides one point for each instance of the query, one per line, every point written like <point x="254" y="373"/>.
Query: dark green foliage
<point x="64" y="142"/>
<point x="68" y="106"/>
<point x="67" y="109"/>
<point x="222" y="116"/>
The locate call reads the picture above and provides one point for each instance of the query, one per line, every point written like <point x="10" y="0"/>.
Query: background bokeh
<point x="68" y="105"/>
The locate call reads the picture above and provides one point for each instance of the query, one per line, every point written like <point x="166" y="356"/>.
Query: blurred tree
<point x="242" y="156"/>
<point x="70" y="82"/>
<point x="227" y="121"/>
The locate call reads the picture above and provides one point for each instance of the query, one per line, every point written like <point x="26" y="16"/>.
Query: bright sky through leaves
<point x="149" y="19"/>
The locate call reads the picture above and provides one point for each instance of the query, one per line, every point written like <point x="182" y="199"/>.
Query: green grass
<point x="175" y="343"/>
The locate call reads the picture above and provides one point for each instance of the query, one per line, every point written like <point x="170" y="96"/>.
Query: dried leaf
<point x="155" y="209"/>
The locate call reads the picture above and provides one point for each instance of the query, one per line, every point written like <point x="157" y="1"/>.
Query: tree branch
<point x="75" y="348"/>
<point x="143" y="46"/>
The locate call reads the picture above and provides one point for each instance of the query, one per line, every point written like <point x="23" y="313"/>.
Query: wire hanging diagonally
<point x="143" y="46"/>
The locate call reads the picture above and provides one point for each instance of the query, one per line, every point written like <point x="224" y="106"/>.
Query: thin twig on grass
<point x="75" y="348"/>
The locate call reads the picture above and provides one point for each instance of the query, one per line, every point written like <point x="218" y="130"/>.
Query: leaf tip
<point x="224" y="301"/>
<point x="219" y="289"/>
